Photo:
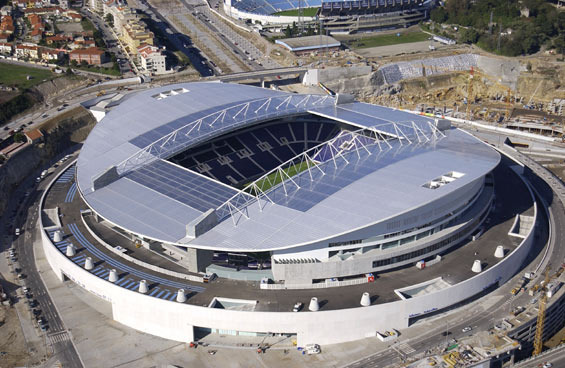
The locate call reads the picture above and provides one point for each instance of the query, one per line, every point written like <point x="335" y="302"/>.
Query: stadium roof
<point x="308" y="43"/>
<point x="123" y="176"/>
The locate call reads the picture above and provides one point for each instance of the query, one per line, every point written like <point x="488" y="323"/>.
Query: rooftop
<point x="126" y="153"/>
<point x="87" y="51"/>
<point x="308" y="43"/>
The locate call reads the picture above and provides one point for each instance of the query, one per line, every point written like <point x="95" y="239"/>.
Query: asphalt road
<point x="184" y="45"/>
<point x="23" y="212"/>
<point x="555" y="357"/>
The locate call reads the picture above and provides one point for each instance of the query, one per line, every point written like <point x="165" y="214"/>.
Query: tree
<point x="74" y="63"/>
<point x="287" y="31"/>
<point x="559" y="44"/>
<point x="110" y="19"/>
<point x="84" y="64"/>
<point x="469" y="35"/>
<point x="438" y="15"/>
<point x="69" y="71"/>
<point x="19" y="137"/>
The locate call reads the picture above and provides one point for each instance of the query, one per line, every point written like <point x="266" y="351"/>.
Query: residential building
<point x="6" y="10"/>
<point x="96" y="6"/>
<point x="48" y="54"/>
<point x="6" y="48"/>
<point x="7" y="24"/>
<point x="58" y="38"/>
<point x="92" y="55"/>
<point x="34" y="136"/>
<point x="134" y="34"/>
<point x="27" y="51"/>
<point x="22" y="4"/>
<point x="53" y="10"/>
<point x="152" y="59"/>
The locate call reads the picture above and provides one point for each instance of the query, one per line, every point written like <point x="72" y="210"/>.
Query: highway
<point x="23" y="213"/>
<point x="183" y="44"/>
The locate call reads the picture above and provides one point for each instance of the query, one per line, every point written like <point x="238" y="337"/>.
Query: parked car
<point x="17" y="232"/>
<point x="466" y="329"/>
<point x="297" y="307"/>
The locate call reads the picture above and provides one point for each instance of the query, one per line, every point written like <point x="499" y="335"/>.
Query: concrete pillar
<point x="499" y="252"/>
<point x="113" y="277"/>
<point x="70" y="250"/>
<point x="477" y="267"/>
<point x="181" y="296"/>
<point x="314" y="306"/>
<point x="58" y="236"/>
<point x="143" y="286"/>
<point x="88" y="264"/>
<point x="365" y="300"/>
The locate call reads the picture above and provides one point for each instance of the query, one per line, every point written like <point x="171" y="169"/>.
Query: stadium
<point x="336" y="15"/>
<point x="218" y="206"/>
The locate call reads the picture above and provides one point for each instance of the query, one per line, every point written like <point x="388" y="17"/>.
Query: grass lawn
<point x="16" y="75"/>
<point x="87" y="25"/>
<point x="307" y="12"/>
<point x="388" y="39"/>
<point x="182" y="58"/>
<point x="275" y="178"/>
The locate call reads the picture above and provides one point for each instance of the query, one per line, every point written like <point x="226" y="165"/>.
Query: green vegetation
<point x="16" y="76"/>
<point x="306" y="12"/>
<point x="87" y="25"/>
<point x="97" y="69"/>
<point x="275" y="178"/>
<point x="14" y="106"/>
<point x="518" y="26"/>
<point x="388" y="39"/>
<point x="295" y="32"/>
<point x="109" y="19"/>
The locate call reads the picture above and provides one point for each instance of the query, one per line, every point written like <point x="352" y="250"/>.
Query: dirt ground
<point x="6" y="95"/>
<point x="69" y="27"/>
<point x="13" y="348"/>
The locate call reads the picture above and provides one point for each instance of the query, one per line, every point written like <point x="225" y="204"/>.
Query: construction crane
<point x="470" y="97"/>
<point x="538" y="339"/>
<point x="529" y="105"/>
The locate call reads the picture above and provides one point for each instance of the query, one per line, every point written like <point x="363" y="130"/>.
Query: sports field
<point x="307" y="12"/>
<point x="16" y="75"/>
<point x="275" y="178"/>
<point x="388" y="39"/>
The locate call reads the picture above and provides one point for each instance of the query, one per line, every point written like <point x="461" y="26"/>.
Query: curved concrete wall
<point x="175" y="321"/>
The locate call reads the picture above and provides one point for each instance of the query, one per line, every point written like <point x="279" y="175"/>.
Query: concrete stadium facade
<point x="176" y="321"/>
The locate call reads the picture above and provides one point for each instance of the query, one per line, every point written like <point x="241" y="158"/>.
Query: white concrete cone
<point x="365" y="300"/>
<point x="181" y="296"/>
<point x="88" y="264"/>
<point x="477" y="267"/>
<point x="314" y="306"/>
<point x="70" y="250"/>
<point x="499" y="252"/>
<point x="143" y="286"/>
<point x="113" y="275"/>
<point x="58" y="236"/>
